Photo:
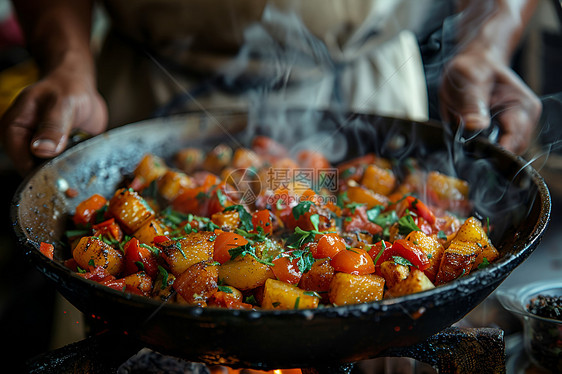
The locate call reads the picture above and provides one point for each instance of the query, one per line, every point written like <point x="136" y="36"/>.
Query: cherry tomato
<point x="353" y="261"/>
<point x="139" y="258"/>
<point x="262" y="218"/>
<point x="225" y="242"/>
<point x="86" y="211"/>
<point x="328" y="246"/>
<point x="286" y="269"/>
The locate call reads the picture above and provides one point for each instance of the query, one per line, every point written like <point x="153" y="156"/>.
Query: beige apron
<point x="355" y="54"/>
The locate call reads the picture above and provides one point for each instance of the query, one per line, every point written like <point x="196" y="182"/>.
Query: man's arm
<point x="478" y="83"/>
<point x="40" y="119"/>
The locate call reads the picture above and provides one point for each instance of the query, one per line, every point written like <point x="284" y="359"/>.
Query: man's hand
<point x="40" y="120"/>
<point x="476" y="87"/>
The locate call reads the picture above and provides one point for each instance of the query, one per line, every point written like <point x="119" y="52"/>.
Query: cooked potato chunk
<point x="218" y="158"/>
<point x="472" y="231"/>
<point x="183" y="253"/>
<point x="319" y="277"/>
<point x="172" y="183"/>
<point x="197" y="283"/>
<point x="139" y="283"/>
<point x="355" y="289"/>
<point x="150" y="168"/>
<point x="228" y="221"/>
<point x="432" y="248"/>
<point x="457" y="261"/>
<point x="281" y="295"/>
<point x="129" y="209"/>
<point x="245" y="272"/>
<point x="417" y="281"/>
<point x="362" y="195"/>
<point x="379" y="180"/>
<point x="149" y="230"/>
<point x="162" y="289"/>
<point x="91" y="250"/>
<point x="393" y="273"/>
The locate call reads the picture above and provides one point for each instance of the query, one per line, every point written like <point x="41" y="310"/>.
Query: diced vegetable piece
<point x="228" y="297"/>
<point x="245" y="273"/>
<point x="86" y="211"/>
<point x="281" y="295"/>
<point x="245" y="158"/>
<point x="139" y="283"/>
<point x="189" y="159"/>
<point x="348" y="289"/>
<point x="129" y="209"/>
<point x="172" y="183"/>
<point x="224" y="242"/>
<point x="417" y="281"/>
<point x="379" y="180"/>
<point x="150" y="168"/>
<point x="262" y="219"/>
<point x="47" y="249"/>
<point x="218" y="158"/>
<point x="92" y="251"/>
<point x="319" y="277"/>
<point x="138" y="258"/>
<point x="286" y="269"/>
<point x="432" y="248"/>
<point x="183" y="253"/>
<point x="108" y="229"/>
<point x="446" y="191"/>
<point x="362" y="195"/>
<point x="149" y="230"/>
<point x="353" y="261"/>
<point x="457" y="261"/>
<point x="197" y="283"/>
<point x="229" y="220"/>
<point x="394" y="273"/>
<point x="162" y="288"/>
<point x="328" y="246"/>
<point x="312" y="160"/>
<point x="268" y="148"/>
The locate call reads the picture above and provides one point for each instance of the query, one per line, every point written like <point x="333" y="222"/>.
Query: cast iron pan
<point x="505" y="189"/>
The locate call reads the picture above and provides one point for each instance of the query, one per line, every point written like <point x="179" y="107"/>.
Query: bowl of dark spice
<point x="539" y="305"/>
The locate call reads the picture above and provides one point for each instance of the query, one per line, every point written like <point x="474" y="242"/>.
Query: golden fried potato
<point x="281" y="295"/>
<point x="379" y="180"/>
<point x="245" y="273"/>
<point x="394" y="273"/>
<point x="417" y="281"/>
<point x="183" y="253"/>
<point x="355" y="289"/>
<point x="198" y="282"/>
<point x="91" y="250"/>
<point x="130" y="210"/>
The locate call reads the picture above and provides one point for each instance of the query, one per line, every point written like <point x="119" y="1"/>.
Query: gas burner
<point x="454" y="350"/>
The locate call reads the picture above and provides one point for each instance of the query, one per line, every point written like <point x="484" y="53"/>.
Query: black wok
<point x="507" y="190"/>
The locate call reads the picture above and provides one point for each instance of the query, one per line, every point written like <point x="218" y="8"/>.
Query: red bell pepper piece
<point x="47" y="249"/>
<point x="407" y="250"/>
<point x="135" y="254"/>
<point x="422" y="210"/>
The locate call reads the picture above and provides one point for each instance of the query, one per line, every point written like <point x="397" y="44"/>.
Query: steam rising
<point x="283" y="66"/>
